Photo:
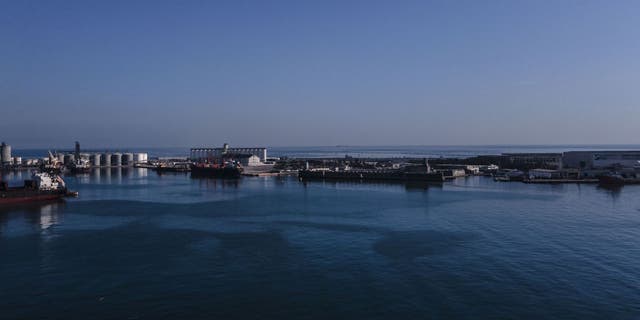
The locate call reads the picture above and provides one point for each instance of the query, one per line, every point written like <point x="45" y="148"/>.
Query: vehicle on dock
<point x="42" y="186"/>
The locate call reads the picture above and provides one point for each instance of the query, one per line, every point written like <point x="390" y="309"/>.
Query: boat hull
<point x="617" y="180"/>
<point x="20" y="195"/>
<point x="213" y="172"/>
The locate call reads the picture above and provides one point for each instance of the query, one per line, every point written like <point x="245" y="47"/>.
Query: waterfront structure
<point x="544" y="174"/>
<point x="198" y="154"/>
<point x="534" y="160"/>
<point x="116" y="159"/>
<point x="466" y="168"/>
<point x="5" y="154"/>
<point x="140" y="157"/>
<point x="127" y="159"/>
<point x="249" y="160"/>
<point x="95" y="159"/>
<point x="105" y="159"/>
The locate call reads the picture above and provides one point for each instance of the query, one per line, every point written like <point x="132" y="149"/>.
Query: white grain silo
<point x="116" y="160"/>
<point x="5" y="153"/>
<point x="127" y="159"/>
<point x="95" y="159"/>
<point x="105" y="159"/>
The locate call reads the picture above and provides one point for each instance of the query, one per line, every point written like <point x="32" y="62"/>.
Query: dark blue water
<point x="136" y="245"/>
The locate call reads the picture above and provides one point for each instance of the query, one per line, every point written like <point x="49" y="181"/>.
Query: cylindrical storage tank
<point x="5" y="153"/>
<point x="127" y="159"/>
<point x="17" y="161"/>
<point x="95" y="159"/>
<point x="138" y="158"/>
<point x="105" y="159"/>
<point x="116" y="160"/>
<point x="69" y="158"/>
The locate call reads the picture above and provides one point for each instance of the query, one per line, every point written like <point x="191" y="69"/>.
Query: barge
<point x="229" y="170"/>
<point x="420" y="173"/>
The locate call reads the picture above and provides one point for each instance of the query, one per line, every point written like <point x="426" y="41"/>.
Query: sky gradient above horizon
<point x="302" y="73"/>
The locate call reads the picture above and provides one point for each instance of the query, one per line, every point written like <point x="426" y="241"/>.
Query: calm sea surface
<point x="136" y="245"/>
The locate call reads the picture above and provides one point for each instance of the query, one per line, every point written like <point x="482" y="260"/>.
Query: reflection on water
<point x="613" y="190"/>
<point x="109" y="175"/>
<point x="97" y="175"/>
<point x="212" y="245"/>
<point x="16" y="177"/>
<point x="42" y="215"/>
<point x="405" y="185"/>
<point x="216" y="183"/>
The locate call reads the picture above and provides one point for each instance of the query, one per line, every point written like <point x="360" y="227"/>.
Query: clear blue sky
<point x="277" y="73"/>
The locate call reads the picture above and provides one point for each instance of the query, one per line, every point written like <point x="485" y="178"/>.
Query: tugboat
<point x="229" y="169"/>
<point x="80" y="166"/>
<point x="42" y="187"/>
<point x="616" y="179"/>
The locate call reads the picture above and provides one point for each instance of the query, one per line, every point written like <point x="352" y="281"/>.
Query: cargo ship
<point x="416" y="173"/>
<point x="42" y="187"/>
<point x="230" y="169"/>
<point x="172" y="167"/>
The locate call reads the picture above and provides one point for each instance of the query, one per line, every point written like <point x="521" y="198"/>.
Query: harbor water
<point x="138" y="245"/>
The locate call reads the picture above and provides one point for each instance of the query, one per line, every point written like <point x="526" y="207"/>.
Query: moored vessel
<point x="42" y="186"/>
<point x="80" y="166"/>
<point x="172" y="167"/>
<point x="616" y="179"/>
<point x="229" y="169"/>
<point x="421" y="173"/>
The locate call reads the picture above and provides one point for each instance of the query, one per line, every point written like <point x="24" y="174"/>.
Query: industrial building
<point x="534" y="160"/>
<point x="198" y="154"/>
<point x="601" y="159"/>
<point x="70" y="157"/>
<point x="106" y="159"/>
<point x="249" y="160"/>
